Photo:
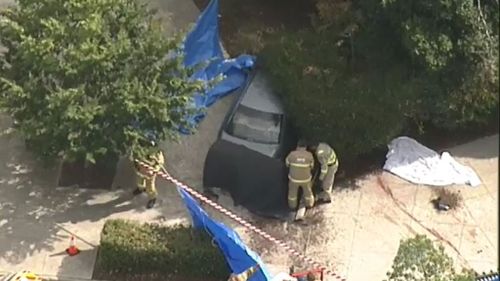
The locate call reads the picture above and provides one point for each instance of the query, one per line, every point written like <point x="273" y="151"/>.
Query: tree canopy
<point x="419" y="260"/>
<point x="369" y="70"/>
<point x="452" y="46"/>
<point x="91" y="79"/>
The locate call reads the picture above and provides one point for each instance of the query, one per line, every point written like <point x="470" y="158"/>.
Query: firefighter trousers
<point x="148" y="184"/>
<point x="327" y="183"/>
<point x="293" y="193"/>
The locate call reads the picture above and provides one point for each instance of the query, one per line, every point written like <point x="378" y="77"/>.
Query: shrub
<point x="355" y="103"/>
<point x="452" y="46"/>
<point x="418" y="259"/>
<point x="87" y="80"/>
<point x="429" y="62"/>
<point x="132" y="248"/>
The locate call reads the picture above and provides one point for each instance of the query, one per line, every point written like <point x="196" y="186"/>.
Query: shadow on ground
<point x="44" y="221"/>
<point x="40" y="220"/>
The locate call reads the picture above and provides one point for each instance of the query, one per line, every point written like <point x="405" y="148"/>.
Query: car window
<point x="255" y="125"/>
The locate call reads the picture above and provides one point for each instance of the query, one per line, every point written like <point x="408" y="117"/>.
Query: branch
<point x="481" y="16"/>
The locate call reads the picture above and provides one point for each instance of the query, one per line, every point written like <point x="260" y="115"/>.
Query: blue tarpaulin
<point x="202" y="46"/>
<point x="203" y="42"/>
<point x="238" y="256"/>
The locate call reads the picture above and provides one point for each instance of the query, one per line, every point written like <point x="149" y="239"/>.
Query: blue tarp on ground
<point x="202" y="46"/>
<point x="238" y="256"/>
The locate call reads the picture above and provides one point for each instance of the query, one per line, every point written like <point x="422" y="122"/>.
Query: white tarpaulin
<point x="418" y="164"/>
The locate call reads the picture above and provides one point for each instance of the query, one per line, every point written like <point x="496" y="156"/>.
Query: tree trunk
<point x="87" y="175"/>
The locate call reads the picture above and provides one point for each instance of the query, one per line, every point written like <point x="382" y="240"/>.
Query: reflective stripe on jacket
<point x="245" y="275"/>
<point x="300" y="163"/>
<point x="156" y="161"/>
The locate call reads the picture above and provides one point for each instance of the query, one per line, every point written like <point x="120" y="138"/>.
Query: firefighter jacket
<point x="326" y="157"/>
<point x="156" y="161"/>
<point x="301" y="163"/>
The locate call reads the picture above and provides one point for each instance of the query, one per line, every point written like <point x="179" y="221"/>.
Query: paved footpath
<point x="37" y="218"/>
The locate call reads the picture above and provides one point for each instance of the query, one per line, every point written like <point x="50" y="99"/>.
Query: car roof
<point x="260" y="96"/>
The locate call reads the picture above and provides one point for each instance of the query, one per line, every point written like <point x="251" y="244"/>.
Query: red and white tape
<point x="241" y="221"/>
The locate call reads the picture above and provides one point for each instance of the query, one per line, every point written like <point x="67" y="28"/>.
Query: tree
<point x="355" y="102"/>
<point x="452" y="50"/>
<point x="90" y="79"/>
<point x="418" y="260"/>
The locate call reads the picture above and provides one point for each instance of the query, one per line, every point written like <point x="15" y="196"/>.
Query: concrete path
<point x="37" y="218"/>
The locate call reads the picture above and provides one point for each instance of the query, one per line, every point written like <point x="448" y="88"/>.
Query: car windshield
<point x="255" y="125"/>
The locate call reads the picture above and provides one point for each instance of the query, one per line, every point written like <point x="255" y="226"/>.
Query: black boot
<point x="151" y="203"/>
<point x="137" y="191"/>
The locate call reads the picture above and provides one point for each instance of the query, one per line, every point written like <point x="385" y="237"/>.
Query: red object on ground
<point x="72" y="250"/>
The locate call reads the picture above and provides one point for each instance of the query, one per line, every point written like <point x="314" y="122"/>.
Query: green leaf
<point x="76" y="84"/>
<point x="90" y="158"/>
<point x="101" y="151"/>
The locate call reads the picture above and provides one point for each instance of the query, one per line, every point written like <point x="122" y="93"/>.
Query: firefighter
<point x="327" y="158"/>
<point x="245" y="275"/>
<point x="146" y="181"/>
<point x="300" y="163"/>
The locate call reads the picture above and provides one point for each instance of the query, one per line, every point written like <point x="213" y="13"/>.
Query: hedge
<point x="329" y="99"/>
<point x="132" y="248"/>
<point x="451" y="47"/>
<point x="401" y="69"/>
